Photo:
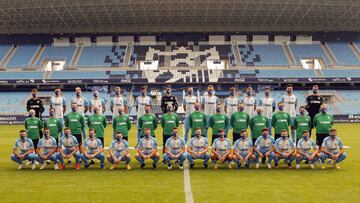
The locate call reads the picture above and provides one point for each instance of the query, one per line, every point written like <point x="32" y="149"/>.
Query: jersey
<point x="119" y="147"/>
<point x="306" y="145"/>
<point x="268" y="104"/>
<point x="148" y="121"/>
<point x="198" y="144"/>
<point x="175" y="145"/>
<point x="221" y="146"/>
<point x="82" y="103"/>
<point x="140" y="103"/>
<point x="37" y="105"/>
<point x="100" y="103"/>
<point x="197" y="120"/>
<point x="257" y="123"/>
<point x="54" y="125"/>
<point x="210" y="103"/>
<point x="243" y="146"/>
<point x="33" y="126"/>
<point x="116" y="103"/>
<point x="280" y="121"/>
<point x="301" y="124"/>
<point x="332" y="145"/>
<point x="323" y="122"/>
<point x="264" y="144"/>
<point x="284" y="145"/>
<point x="147" y="145"/>
<point x="168" y="100"/>
<point x="168" y="122"/>
<point x="98" y="122"/>
<point x="313" y="103"/>
<point x="290" y="104"/>
<point x="249" y="105"/>
<point x="189" y="102"/>
<point x="239" y="121"/>
<point x="75" y="121"/>
<point x="92" y="146"/>
<point x="24" y="147"/>
<point x="58" y="104"/>
<point x="68" y="143"/>
<point x="122" y="123"/>
<point x="218" y="121"/>
<point x="45" y="145"/>
<point x="231" y="105"/>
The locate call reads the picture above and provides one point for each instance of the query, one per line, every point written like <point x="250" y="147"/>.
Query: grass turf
<point x="161" y="185"/>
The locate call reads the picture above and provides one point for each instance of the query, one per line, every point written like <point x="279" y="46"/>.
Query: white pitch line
<point x="187" y="184"/>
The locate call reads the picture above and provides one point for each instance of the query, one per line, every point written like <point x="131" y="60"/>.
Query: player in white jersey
<point x="268" y="104"/>
<point x="209" y="103"/>
<point x="249" y="102"/>
<point x="284" y="149"/>
<point x="117" y="102"/>
<point x="98" y="102"/>
<point x="175" y="150"/>
<point x="188" y="106"/>
<point x="140" y="103"/>
<point x="82" y="105"/>
<point x="58" y="102"/>
<point x="23" y="150"/>
<point x="231" y="104"/>
<point x="290" y="105"/>
<point x="332" y="148"/>
<point x="307" y="150"/>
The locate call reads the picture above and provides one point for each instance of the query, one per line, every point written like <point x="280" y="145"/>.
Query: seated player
<point x="147" y="149"/>
<point x="198" y="149"/>
<point x="284" y="149"/>
<point x="332" y="148"/>
<point x="175" y="149"/>
<point x="307" y="150"/>
<point x="93" y="149"/>
<point x="26" y="151"/>
<point x="264" y="147"/>
<point x="68" y="147"/>
<point x="221" y="150"/>
<point x="118" y="151"/>
<point x="243" y="150"/>
<point x="46" y="150"/>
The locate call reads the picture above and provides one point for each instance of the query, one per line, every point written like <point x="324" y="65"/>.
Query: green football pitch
<point x="162" y="185"/>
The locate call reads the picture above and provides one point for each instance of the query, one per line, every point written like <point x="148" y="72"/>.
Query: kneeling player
<point x="243" y="150"/>
<point x="46" y="150"/>
<point x="175" y="149"/>
<point x="264" y="147"/>
<point x="93" y="149"/>
<point x="147" y="149"/>
<point x="221" y="150"/>
<point x="304" y="150"/>
<point x="332" y="148"/>
<point x="118" y="151"/>
<point x="198" y="149"/>
<point x="26" y="150"/>
<point x="284" y="149"/>
<point x="68" y="147"/>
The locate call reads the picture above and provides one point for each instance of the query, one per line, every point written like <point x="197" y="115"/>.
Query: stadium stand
<point x="63" y="53"/>
<point x="294" y="73"/>
<point x="28" y="75"/>
<point x="343" y="54"/>
<point x="142" y="53"/>
<point x="263" y="55"/>
<point x="216" y="52"/>
<point x="102" y="56"/>
<point x="4" y="50"/>
<point x="23" y="56"/>
<point x="341" y="73"/>
<point x="79" y="75"/>
<point x="301" y="51"/>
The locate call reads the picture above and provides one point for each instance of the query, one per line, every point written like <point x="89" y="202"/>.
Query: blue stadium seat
<point x="102" y="56"/>
<point x="343" y="54"/>
<point x="303" y="51"/>
<point x="23" y="56"/>
<point x="263" y="55"/>
<point x="57" y="53"/>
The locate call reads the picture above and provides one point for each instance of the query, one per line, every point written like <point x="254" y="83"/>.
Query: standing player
<point x="332" y="148"/>
<point x="148" y="120"/>
<point x="198" y="149"/>
<point x="307" y="150"/>
<point x="68" y="147"/>
<point x="118" y="151"/>
<point x="54" y="124"/>
<point x="147" y="149"/>
<point x="243" y="151"/>
<point x="249" y="102"/>
<point x="284" y="149"/>
<point x="313" y="103"/>
<point x="98" y="102"/>
<point x="257" y="124"/>
<point x="221" y="150"/>
<point x="209" y="103"/>
<point x="140" y="103"/>
<point x="189" y="103"/>
<point x="197" y="120"/>
<point x="82" y="106"/>
<point x="98" y="122"/>
<point x="268" y="104"/>
<point x="322" y="122"/>
<point x="302" y="123"/>
<point x="239" y="121"/>
<point x="58" y="102"/>
<point x="46" y="150"/>
<point x="26" y="150"/>
<point x="75" y="122"/>
<point x="35" y="103"/>
<point x="280" y="120"/>
<point x="93" y="149"/>
<point x="231" y="105"/>
<point x="169" y="121"/>
<point x="264" y="148"/>
<point x="117" y="102"/>
<point x="33" y="126"/>
<point x="168" y="99"/>
<point x="218" y="121"/>
<point x="175" y="149"/>
<point x="290" y="105"/>
<point x="121" y="123"/>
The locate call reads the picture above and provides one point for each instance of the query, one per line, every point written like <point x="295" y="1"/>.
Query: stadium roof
<point x="120" y="16"/>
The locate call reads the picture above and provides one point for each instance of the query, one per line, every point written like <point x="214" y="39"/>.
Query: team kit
<point x="279" y="131"/>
